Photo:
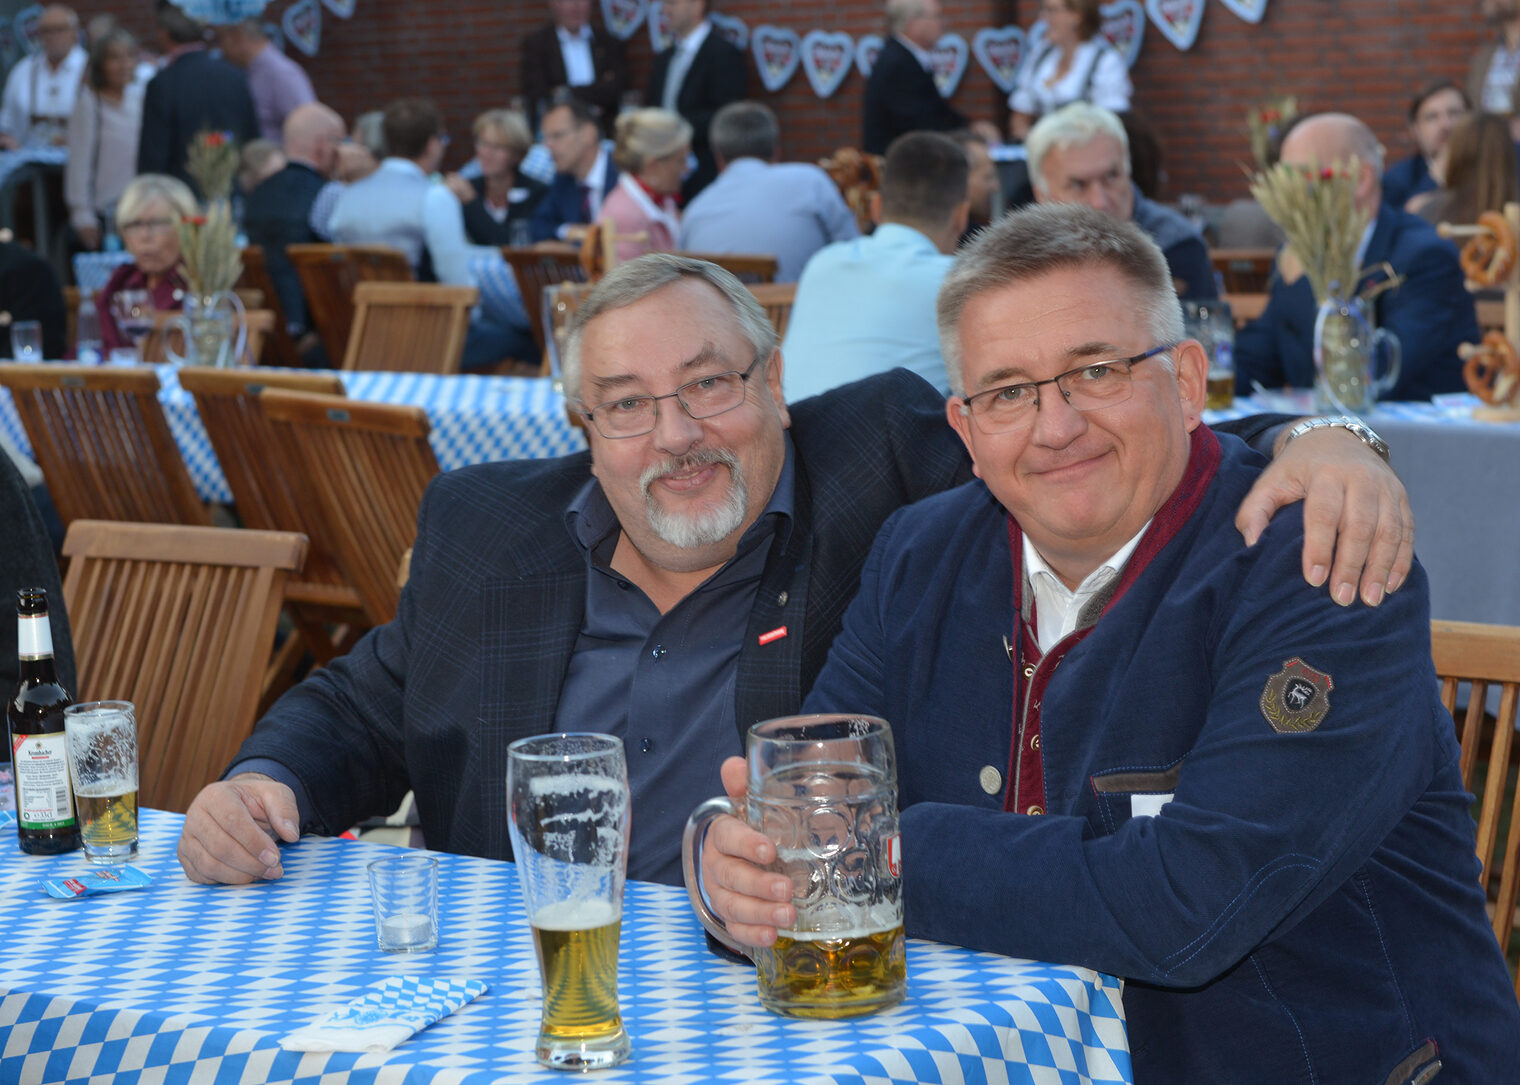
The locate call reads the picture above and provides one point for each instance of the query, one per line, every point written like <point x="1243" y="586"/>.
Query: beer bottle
<point x="45" y="819"/>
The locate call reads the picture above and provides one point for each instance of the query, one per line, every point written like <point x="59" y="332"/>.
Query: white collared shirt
<point x="576" y="50"/>
<point x="1057" y="607"/>
<point x="35" y="90"/>
<point x="680" y="64"/>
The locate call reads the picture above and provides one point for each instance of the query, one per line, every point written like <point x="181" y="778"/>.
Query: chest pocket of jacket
<point x="1130" y="793"/>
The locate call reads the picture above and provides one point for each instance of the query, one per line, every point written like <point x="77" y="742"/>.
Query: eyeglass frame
<point x="590" y="412"/>
<point x="147" y="226"/>
<point x="1132" y="361"/>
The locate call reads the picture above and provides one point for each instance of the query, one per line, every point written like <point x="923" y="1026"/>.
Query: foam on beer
<point x="575" y="915"/>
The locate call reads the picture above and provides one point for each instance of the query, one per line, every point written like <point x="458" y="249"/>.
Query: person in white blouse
<point x="39" y="92"/>
<point x="1075" y="63"/>
<point x="103" y="136"/>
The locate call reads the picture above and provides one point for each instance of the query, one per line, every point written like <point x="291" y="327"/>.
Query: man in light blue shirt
<point x="787" y="209"/>
<point x="866" y="306"/>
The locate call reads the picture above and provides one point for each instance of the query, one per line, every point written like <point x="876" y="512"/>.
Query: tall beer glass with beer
<point x="824" y="789"/>
<point x="102" y="745"/>
<point x="568" y="798"/>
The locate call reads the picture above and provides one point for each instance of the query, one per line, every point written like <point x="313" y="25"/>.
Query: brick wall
<point x="1362" y="56"/>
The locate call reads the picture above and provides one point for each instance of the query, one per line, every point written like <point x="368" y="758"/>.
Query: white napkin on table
<point x="389" y="1013"/>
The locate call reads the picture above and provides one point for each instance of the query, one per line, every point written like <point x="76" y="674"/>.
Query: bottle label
<point x="34" y="636"/>
<point x="44" y="798"/>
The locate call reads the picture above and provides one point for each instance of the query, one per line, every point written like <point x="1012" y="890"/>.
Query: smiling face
<point x="1080" y="483"/>
<point x="685" y="493"/>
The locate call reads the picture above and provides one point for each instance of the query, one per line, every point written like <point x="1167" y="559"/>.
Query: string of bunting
<point x="826" y="56"/>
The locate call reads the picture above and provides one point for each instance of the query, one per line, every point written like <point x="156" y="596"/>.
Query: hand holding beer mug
<point x="568" y="798"/>
<point x="824" y="790"/>
<point x="102" y="744"/>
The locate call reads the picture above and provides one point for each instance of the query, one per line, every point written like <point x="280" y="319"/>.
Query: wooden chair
<point x="747" y="267"/>
<point x="536" y="269"/>
<point x="776" y="299"/>
<point x="1244" y="271"/>
<point x="414" y="327"/>
<point x="270" y="493"/>
<point x="100" y="436"/>
<point x="328" y="276"/>
<point x="367" y="464"/>
<point x="1483" y="657"/>
<point x="1245" y="308"/>
<point x="179" y="621"/>
<point x="279" y="348"/>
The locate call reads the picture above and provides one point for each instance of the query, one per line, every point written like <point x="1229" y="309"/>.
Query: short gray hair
<point x="1042" y="238"/>
<point x="900" y="12"/>
<point x="744" y="130"/>
<point x="636" y="280"/>
<point x="644" y="135"/>
<point x="1074" y="125"/>
<point x="147" y="187"/>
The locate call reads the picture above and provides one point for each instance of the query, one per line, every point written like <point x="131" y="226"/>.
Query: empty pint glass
<point x="824" y="789"/>
<point x="102" y="742"/>
<point x="568" y="798"/>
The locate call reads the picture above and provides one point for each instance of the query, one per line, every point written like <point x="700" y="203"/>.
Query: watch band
<point x="1354" y="426"/>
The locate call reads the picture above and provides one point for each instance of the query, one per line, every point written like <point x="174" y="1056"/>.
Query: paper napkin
<point x="389" y="1013"/>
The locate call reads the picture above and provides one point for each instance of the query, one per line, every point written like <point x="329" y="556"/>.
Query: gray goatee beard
<point x="704" y="527"/>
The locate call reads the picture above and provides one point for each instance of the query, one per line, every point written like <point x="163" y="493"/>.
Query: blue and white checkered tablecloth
<point x="11" y="161"/>
<point x="92" y="270"/>
<point x="188" y="983"/>
<point x="474" y="419"/>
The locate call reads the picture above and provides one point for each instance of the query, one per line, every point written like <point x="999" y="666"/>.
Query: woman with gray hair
<point x="652" y="148"/>
<point x="501" y="197"/>
<point x="148" y="217"/>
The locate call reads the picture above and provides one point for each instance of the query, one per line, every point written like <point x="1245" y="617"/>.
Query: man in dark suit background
<point x="583" y="171"/>
<point x="900" y="93"/>
<point x="697" y="75"/>
<point x="194" y="91"/>
<point x="572" y="56"/>
<point x="678" y="584"/>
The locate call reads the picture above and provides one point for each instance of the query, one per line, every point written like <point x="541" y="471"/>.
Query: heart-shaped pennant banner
<point x="302" y="23"/>
<point x="867" y="49"/>
<point x="1001" y="52"/>
<point x="1249" y="10"/>
<point x="777" y="52"/>
<point x="659" y="27"/>
<point x="826" y="59"/>
<point x="948" y="60"/>
<point x="1124" y="27"/>
<point x="1178" y="20"/>
<point x="24" y="28"/>
<point x="622" y="17"/>
<point x="343" y="9"/>
<point x="731" y="27"/>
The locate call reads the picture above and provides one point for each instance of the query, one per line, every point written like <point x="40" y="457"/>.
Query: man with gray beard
<point x="678" y="584"/>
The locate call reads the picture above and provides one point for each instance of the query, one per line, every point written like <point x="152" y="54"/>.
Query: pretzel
<point x="1492" y="370"/>
<point x="1489" y="256"/>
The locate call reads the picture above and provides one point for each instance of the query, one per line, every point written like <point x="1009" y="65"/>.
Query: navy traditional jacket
<point x="1305" y="904"/>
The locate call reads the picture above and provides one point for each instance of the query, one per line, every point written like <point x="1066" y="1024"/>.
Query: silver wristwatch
<point x="1354" y="426"/>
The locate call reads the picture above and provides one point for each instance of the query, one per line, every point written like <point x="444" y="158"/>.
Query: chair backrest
<point x="536" y="269"/>
<point x="1484" y="658"/>
<point x="278" y="347"/>
<point x="776" y="299"/>
<point x="1244" y="271"/>
<point x="563" y="300"/>
<point x="747" y="267"/>
<point x="180" y="621"/>
<point x="1490" y="314"/>
<point x="1245" y="308"/>
<point x="367" y="464"/>
<point x="415" y="327"/>
<point x="328" y="275"/>
<point x="100" y="436"/>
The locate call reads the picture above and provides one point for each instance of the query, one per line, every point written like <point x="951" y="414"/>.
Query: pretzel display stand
<point x="1491" y="367"/>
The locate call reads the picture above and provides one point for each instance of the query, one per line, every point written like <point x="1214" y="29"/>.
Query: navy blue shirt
<point x="664" y="683"/>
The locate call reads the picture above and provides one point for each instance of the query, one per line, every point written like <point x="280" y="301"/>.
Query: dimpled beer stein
<point x="824" y="790"/>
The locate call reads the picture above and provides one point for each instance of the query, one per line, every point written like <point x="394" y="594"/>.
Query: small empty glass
<point x="26" y="341"/>
<point x="404" y="892"/>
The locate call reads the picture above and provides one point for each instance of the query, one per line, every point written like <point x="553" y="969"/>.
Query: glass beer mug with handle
<point x="823" y="788"/>
<point x="568" y="814"/>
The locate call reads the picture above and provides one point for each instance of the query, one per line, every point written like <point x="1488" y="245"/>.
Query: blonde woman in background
<point x="148" y="217"/>
<point x="652" y="148"/>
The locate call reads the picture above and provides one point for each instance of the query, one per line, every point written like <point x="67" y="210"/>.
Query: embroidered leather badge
<point x="1296" y="698"/>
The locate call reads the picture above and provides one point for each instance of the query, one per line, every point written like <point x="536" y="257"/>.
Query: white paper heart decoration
<point x="24" y="28"/>
<point x="826" y="59"/>
<point x="1177" y="20"/>
<point x="343" y="9"/>
<point x="731" y="27"/>
<point x="659" y="27"/>
<point x="777" y="53"/>
<point x="302" y="23"/>
<point x="1249" y="10"/>
<point x="622" y="17"/>
<point x="1001" y="51"/>
<point x="948" y="60"/>
<point x="1124" y="27"/>
<point x="867" y="49"/>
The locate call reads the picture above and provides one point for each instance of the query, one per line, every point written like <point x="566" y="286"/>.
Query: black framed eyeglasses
<point x="1089" y="387"/>
<point x="634" y="416"/>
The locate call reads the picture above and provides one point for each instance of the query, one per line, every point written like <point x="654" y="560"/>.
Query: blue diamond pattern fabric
<point x="188" y="983"/>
